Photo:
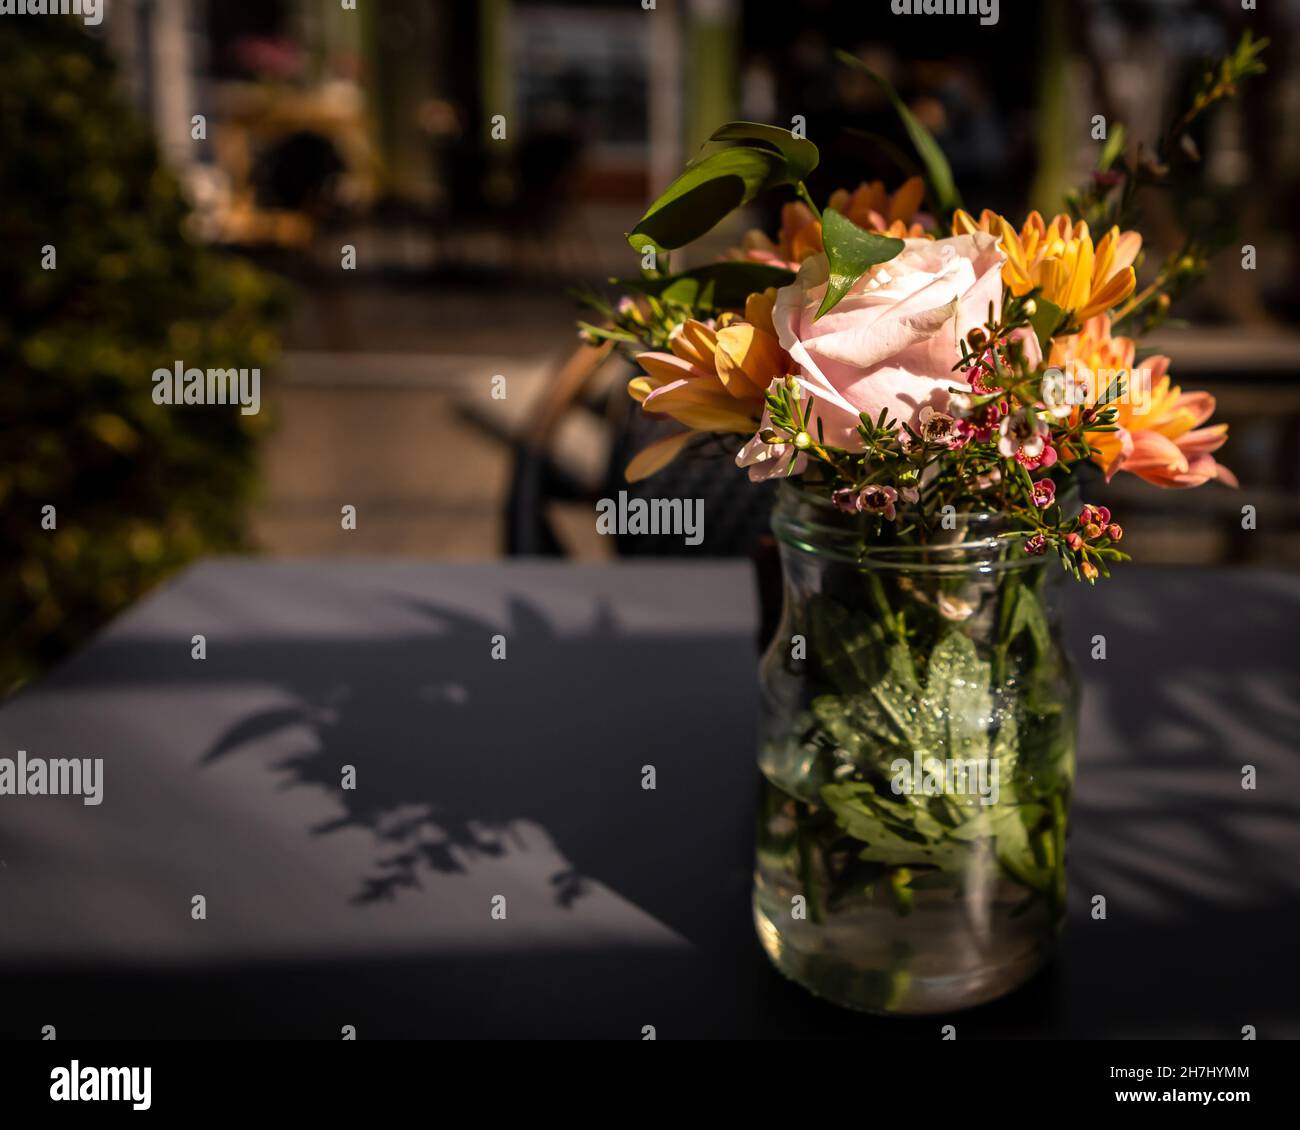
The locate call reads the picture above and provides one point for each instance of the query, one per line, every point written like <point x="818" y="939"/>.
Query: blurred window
<point x="582" y="72"/>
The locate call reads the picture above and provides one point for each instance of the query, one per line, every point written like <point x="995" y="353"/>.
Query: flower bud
<point x="803" y="441"/>
<point x="1089" y="571"/>
<point x="1030" y="308"/>
<point x="1092" y="530"/>
<point x="1115" y="530"/>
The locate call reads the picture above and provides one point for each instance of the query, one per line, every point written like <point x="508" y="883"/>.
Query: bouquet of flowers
<point x="903" y="356"/>
<point x="937" y="383"/>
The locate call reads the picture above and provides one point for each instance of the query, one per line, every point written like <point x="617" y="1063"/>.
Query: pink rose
<point x="892" y="341"/>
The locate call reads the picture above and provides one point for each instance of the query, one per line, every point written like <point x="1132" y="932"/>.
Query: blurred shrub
<point x="139" y="489"/>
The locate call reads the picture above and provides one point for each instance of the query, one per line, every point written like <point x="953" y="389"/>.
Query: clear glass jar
<point x="917" y="756"/>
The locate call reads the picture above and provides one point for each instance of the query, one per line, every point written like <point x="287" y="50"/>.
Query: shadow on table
<point x="455" y="748"/>
<point x="457" y="753"/>
<point x="1196" y="687"/>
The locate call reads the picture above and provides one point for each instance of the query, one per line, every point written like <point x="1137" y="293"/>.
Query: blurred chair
<point x="735" y="510"/>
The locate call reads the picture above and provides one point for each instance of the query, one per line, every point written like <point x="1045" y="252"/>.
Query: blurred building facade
<point x="482" y="156"/>
<point x="512" y="116"/>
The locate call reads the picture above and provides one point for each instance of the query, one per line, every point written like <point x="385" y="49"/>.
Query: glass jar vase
<point x="917" y="755"/>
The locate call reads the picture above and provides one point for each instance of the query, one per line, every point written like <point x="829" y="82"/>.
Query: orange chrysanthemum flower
<point x="714" y="380"/>
<point x="875" y="210"/>
<point x="1061" y="260"/>
<point x="1159" y="436"/>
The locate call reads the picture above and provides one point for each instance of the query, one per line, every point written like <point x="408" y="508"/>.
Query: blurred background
<point x="386" y="209"/>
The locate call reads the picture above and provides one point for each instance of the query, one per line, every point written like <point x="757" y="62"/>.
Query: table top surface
<point x="520" y="777"/>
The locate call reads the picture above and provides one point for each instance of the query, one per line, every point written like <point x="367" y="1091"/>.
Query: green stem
<point x="804" y="195"/>
<point x="894" y="622"/>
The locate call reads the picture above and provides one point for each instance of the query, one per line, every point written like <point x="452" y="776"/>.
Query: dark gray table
<point x="521" y="777"/>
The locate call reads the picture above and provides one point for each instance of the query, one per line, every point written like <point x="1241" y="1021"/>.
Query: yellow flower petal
<point x="1079" y="264"/>
<point x="1111" y="294"/>
<point x="963" y="223"/>
<point x="639" y="388"/>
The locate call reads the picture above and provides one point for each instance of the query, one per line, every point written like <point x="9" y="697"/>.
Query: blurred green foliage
<point x="139" y="489"/>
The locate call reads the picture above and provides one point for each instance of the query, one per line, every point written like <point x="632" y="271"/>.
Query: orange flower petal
<point x="702" y="407"/>
<point x="748" y="360"/>
<point x="694" y="342"/>
<point x="666" y="368"/>
<point x="907" y="200"/>
<point x="655" y="457"/>
<point x="758" y="310"/>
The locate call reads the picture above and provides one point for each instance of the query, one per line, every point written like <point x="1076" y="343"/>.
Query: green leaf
<point x="1113" y="148"/>
<point x="723" y="286"/>
<point x="1016" y="838"/>
<point x="890" y="839"/>
<point x="846" y="647"/>
<point x="704" y="194"/>
<point x="606" y="334"/>
<point x="1030" y="615"/>
<point x="852" y="253"/>
<point x="944" y="197"/>
<point x="957" y="698"/>
<point x="846" y="662"/>
<point x="1047" y="317"/>
<point x="868" y="727"/>
<point x="800" y="154"/>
